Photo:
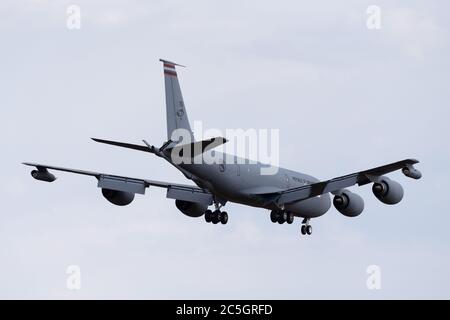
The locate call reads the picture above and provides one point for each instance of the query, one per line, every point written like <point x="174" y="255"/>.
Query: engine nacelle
<point x="191" y="209"/>
<point x="348" y="203"/>
<point x="388" y="191"/>
<point x="411" y="172"/>
<point x="119" y="198"/>
<point x="43" y="175"/>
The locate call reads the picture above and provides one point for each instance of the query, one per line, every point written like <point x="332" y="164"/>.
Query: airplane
<point x="286" y="194"/>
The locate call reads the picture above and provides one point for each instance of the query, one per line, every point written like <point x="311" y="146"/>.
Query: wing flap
<point x="189" y="195"/>
<point x="122" y="184"/>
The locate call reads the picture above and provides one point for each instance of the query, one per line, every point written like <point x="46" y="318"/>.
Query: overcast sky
<point x="345" y="98"/>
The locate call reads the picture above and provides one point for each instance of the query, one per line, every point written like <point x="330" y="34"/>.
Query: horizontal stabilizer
<point x="171" y="63"/>
<point x="125" y="145"/>
<point x="197" y="148"/>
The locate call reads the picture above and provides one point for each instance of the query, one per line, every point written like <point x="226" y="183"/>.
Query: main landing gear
<point x="281" y="217"/>
<point x="216" y="216"/>
<point x="306" y="227"/>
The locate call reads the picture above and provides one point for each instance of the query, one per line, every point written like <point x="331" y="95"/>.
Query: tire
<point x="290" y="218"/>
<point x="208" y="216"/>
<point x="224" y="218"/>
<point x="274" y="216"/>
<point x="303" y="229"/>
<point x="282" y="217"/>
<point x="308" y="230"/>
<point x="216" y="217"/>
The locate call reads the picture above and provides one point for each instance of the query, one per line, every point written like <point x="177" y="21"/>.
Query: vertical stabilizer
<point x="175" y="109"/>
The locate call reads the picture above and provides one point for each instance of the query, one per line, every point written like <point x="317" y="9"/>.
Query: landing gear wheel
<point x="216" y="217"/>
<point x="224" y="218"/>
<point x="282" y="217"/>
<point x="290" y="218"/>
<point x="308" y="230"/>
<point x="303" y="229"/>
<point x="274" y="216"/>
<point x="208" y="216"/>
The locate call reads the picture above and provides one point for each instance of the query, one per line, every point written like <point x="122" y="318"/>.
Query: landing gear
<point x="224" y="218"/>
<point x="306" y="227"/>
<point x="281" y="217"/>
<point x="216" y="216"/>
<point x="273" y="216"/>
<point x="290" y="218"/>
<point x="208" y="216"/>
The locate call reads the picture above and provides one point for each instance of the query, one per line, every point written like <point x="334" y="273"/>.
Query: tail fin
<point x="175" y="110"/>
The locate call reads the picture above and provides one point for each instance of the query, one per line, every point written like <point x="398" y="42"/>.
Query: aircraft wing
<point x="133" y="185"/>
<point x="336" y="184"/>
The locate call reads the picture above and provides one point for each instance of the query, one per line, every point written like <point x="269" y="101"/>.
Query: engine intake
<point x="119" y="198"/>
<point x="348" y="203"/>
<point x="388" y="191"/>
<point x="191" y="209"/>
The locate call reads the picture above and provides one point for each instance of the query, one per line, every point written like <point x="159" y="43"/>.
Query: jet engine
<point x="348" y="203"/>
<point x="191" y="209"/>
<point x="43" y="175"/>
<point x="119" y="198"/>
<point x="412" y="173"/>
<point x="388" y="191"/>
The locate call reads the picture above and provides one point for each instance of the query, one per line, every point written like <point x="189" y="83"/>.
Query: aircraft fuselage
<point x="241" y="181"/>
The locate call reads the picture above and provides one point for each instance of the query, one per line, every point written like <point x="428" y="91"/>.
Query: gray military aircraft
<point x="287" y="194"/>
